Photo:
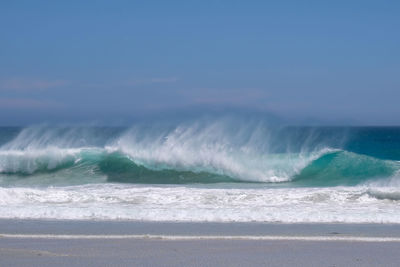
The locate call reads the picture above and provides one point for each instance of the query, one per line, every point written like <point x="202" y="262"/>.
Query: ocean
<point x="211" y="169"/>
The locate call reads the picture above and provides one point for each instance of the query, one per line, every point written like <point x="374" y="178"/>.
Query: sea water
<point x="219" y="170"/>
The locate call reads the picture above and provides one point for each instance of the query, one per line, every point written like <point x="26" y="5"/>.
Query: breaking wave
<point x="326" y="168"/>
<point x="220" y="151"/>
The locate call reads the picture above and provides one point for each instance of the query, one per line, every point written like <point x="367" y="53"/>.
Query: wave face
<point x="93" y="165"/>
<point x="345" y="168"/>
<point x="216" y="152"/>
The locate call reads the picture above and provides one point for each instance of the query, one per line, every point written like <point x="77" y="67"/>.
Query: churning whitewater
<point x="225" y="169"/>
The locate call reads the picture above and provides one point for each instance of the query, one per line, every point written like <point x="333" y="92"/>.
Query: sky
<point x="330" y="62"/>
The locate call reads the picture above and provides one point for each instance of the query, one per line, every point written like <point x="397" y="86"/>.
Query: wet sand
<point x="102" y="243"/>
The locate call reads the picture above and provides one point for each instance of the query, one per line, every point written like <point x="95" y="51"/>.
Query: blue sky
<point x="335" y="62"/>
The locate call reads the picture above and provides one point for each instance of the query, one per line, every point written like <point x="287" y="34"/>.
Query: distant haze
<point x="111" y="62"/>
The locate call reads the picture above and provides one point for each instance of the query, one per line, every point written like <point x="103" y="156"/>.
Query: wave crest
<point x="326" y="169"/>
<point x="222" y="150"/>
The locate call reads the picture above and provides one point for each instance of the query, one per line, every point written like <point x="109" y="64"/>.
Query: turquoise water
<point x="298" y="156"/>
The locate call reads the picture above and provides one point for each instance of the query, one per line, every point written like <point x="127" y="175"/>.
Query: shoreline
<point x="133" y="243"/>
<point x="155" y="228"/>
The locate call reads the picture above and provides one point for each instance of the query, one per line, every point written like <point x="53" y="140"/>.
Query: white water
<point x="238" y="149"/>
<point x="182" y="203"/>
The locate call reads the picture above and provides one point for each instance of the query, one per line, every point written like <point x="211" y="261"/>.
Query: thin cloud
<point x="164" y="80"/>
<point x="234" y="96"/>
<point x="22" y="84"/>
<point x="27" y="103"/>
<point x="159" y="80"/>
<point x="130" y="82"/>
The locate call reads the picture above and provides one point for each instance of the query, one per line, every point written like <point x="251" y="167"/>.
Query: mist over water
<point x="239" y="168"/>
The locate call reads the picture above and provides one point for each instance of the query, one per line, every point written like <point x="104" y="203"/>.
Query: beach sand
<point x="127" y="243"/>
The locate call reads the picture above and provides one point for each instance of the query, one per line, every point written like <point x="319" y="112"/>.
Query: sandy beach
<point x="127" y="243"/>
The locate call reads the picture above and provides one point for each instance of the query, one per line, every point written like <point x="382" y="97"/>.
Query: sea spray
<point x="219" y="169"/>
<point x="203" y="151"/>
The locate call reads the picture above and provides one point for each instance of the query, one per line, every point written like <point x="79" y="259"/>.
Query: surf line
<point x="207" y="237"/>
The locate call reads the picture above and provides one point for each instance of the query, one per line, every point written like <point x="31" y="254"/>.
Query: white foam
<point x="182" y="203"/>
<point x="206" y="237"/>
